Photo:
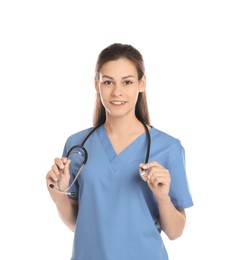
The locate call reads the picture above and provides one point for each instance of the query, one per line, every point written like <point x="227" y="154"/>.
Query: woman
<point x="113" y="212"/>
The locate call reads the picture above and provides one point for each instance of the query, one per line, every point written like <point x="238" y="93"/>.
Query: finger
<point x="64" y="160"/>
<point x="52" y="176"/>
<point x="141" y="165"/>
<point x="156" y="170"/>
<point x="59" y="162"/>
<point x="151" y="165"/>
<point x="150" y="185"/>
<point x="153" y="175"/>
<point x="159" y="180"/>
<point x="66" y="167"/>
<point x="56" y="170"/>
<point x="154" y="185"/>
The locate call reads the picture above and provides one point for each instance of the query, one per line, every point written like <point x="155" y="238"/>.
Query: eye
<point x="107" y="82"/>
<point x="127" y="82"/>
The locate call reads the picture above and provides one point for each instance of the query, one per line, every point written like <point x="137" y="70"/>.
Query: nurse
<point x="112" y="211"/>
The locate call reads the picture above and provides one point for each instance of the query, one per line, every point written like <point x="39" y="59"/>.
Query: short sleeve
<point x="179" y="188"/>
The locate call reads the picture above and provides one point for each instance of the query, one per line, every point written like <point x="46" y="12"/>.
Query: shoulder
<point x="165" y="139"/>
<point x="77" y="137"/>
<point x="167" y="146"/>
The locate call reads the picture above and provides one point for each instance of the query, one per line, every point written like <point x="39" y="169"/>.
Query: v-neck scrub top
<point x="118" y="217"/>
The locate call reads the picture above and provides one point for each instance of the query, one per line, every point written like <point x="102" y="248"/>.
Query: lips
<point x="118" y="102"/>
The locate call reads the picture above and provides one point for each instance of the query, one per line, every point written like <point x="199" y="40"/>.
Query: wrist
<point x="58" y="197"/>
<point x="164" y="201"/>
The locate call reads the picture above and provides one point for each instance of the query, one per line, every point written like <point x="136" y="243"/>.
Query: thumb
<point x="66" y="167"/>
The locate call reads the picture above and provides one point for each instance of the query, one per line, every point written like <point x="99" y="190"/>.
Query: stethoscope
<point x="80" y="149"/>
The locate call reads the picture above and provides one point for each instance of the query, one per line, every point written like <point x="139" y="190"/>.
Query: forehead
<point x="120" y="67"/>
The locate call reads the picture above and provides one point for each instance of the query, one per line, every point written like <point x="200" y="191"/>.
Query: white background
<point x="197" y="65"/>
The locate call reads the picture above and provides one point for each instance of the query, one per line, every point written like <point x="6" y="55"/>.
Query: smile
<point x="118" y="102"/>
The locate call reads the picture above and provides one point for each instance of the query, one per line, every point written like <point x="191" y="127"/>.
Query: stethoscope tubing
<point x="81" y="146"/>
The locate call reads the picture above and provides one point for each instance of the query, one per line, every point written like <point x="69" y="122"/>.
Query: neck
<point x="122" y="126"/>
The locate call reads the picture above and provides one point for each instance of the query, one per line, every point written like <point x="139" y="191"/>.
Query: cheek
<point x="104" y="98"/>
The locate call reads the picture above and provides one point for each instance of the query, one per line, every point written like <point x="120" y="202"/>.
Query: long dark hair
<point x="114" y="52"/>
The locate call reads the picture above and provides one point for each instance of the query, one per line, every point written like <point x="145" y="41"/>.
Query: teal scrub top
<point x="118" y="216"/>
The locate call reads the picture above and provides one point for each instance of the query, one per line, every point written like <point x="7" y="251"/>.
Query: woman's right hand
<point x="59" y="170"/>
<point x="68" y="208"/>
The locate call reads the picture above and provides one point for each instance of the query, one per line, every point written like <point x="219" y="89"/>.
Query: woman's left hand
<point x="158" y="179"/>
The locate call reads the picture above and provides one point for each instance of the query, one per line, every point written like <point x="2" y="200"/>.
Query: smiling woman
<point x="119" y="86"/>
<point x="113" y="212"/>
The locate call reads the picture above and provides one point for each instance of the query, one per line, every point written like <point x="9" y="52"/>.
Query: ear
<point x="142" y="84"/>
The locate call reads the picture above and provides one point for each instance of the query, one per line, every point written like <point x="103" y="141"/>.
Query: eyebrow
<point x="125" y="77"/>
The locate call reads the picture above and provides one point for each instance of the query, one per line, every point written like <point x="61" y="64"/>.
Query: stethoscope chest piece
<point x="143" y="174"/>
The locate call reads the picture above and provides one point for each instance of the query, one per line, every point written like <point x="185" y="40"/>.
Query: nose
<point x="116" y="91"/>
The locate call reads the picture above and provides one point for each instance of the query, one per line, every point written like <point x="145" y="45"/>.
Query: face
<point x="118" y="86"/>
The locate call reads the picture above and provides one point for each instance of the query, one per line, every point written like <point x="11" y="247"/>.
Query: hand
<point x="59" y="171"/>
<point x="158" y="179"/>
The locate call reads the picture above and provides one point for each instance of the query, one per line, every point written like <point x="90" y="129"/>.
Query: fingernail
<point x="145" y="167"/>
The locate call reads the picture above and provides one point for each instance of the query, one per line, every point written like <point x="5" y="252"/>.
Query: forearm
<point x="172" y="220"/>
<point x="67" y="210"/>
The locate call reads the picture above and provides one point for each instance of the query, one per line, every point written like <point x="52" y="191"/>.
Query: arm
<point x="172" y="220"/>
<point x="67" y="210"/>
<point x="66" y="207"/>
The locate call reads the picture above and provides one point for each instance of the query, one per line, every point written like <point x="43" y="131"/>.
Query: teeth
<point x="117" y="102"/>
